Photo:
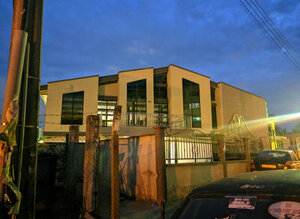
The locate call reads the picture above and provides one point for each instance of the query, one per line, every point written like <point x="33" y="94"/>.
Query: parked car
<point x="262" y="194"/>
<point x="275" y="159"/>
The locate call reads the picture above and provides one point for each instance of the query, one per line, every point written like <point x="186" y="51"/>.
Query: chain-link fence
<point x="59" y="180"/>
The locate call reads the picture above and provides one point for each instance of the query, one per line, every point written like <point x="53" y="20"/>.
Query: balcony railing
<point x="150" y="120"/>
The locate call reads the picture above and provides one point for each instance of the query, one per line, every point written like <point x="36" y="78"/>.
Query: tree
<point x="296" y="129"/>
<point x="278" y="130"/>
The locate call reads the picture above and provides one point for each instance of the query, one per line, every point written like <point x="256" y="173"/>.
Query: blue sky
<point x="215" y="38"/>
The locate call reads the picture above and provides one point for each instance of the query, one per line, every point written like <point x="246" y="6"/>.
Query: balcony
<point x="148" y="120"/>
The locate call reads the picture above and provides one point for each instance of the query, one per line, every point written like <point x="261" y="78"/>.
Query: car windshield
<point x="273" y="155"/>
<point x="249" y="207"/>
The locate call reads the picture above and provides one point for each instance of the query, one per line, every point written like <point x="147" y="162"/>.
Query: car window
<point x="217" y="208"/>
<point x="274" y="155"/>
<point x="293" y="155"/>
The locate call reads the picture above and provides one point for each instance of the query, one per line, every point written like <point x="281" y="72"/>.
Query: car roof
<point x="276" y="151"/>
<point x="281" y="182"/>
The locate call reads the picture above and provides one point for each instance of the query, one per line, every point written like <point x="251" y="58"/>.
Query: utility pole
<point x="11" y="104"/>
<point x="26" y="32"/>
<point x="29" y="166"/>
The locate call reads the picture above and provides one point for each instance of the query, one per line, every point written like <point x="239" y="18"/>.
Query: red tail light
<point x="252" y="166"/>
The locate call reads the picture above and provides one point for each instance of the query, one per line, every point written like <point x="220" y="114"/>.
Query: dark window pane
<point x="191" y="103"/>
<point x="72" y="108"/>
<point x="160" y="99"/>
<point x="214" y="116"/>
<point x="212" y="93"/>
<point x="136" y="103"/>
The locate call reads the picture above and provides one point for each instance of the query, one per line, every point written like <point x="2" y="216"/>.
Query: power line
<point x="270" y="29"/>
<point x="274" y="30"/>
<point x="275" y="27"/>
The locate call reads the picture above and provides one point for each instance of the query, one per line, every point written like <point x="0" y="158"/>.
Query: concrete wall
<point x="231" y="101"/>
<point x="182" y="179"/>
<point x="54" y="101"/>
<point x="175" y="75"/>
<point x="126" y="77"/>
<point x="109" y="90"/>
<point x="138" y="167"/>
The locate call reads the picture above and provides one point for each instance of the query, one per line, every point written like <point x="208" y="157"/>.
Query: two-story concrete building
<point x="171" y="96"/>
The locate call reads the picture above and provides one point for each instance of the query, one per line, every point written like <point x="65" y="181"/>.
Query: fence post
<point x="72" y="140"/>
<point x="114" y="151"/>
<point x="90" y="163"/>
<point x="247" y="148"/>
<point x="160" y="164"/>
<point x="221" y="144"/>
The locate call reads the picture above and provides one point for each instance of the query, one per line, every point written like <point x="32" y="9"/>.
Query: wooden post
<point x="114" y="151"/>
<point x="90" y="159"/>
<point x="222" y="155"/>
<point x="160" y="164"/>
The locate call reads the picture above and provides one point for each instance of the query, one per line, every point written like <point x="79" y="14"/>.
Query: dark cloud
<point x="286" y="6"/>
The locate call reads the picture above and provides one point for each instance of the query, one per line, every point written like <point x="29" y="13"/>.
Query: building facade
<point x="172" y="97"/>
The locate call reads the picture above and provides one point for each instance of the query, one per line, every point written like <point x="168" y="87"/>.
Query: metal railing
<point x="188" y="150"/>
<point x="234" y="149"/>
<point x="150" y="120"/>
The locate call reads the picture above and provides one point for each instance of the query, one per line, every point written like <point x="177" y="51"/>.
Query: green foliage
<point x="279" y="131"/>
<point x="296" y="129"/>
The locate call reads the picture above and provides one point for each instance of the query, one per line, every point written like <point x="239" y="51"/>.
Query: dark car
<point x="264" y="194"/>
<point x="275" y="159"/>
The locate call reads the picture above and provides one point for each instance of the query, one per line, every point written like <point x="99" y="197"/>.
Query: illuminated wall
<point x="231" y="101"/>
<point x="88" y="85"/>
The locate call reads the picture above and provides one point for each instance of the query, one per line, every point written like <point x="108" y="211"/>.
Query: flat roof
<point x="73" y="79"/>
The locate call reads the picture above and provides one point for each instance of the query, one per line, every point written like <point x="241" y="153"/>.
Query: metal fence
<point x="255" y="147"/>
<point x="150" y="120"/>
<point x="234" y="149"/>
<point x="189" y="150"/>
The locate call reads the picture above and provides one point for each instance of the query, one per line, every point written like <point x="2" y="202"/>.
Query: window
<point x="136" y="103"/>
<point x="191" y="104"/>
<point x="106" y="106"/>
<point x="160" y="99"/>
<point x="213" y="93"/>
<point x="214" y="115"/>
<point x="72" y="108"/>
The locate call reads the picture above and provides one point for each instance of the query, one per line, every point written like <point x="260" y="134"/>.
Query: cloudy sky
<point x="216" y="38"/>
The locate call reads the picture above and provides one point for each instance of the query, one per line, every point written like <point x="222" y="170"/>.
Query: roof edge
<point x="241" y="90"/>
<point x="189" y="70"/>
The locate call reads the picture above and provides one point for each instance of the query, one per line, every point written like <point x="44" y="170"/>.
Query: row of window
<point x="72" y="105"/>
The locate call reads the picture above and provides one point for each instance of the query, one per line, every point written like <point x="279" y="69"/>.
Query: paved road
<point x="140" y="209"/>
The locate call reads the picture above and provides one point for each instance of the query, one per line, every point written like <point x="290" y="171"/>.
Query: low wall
<point x="237" y="167"/>
<point x="138" y="167"/>
<point x="183" y="178"/>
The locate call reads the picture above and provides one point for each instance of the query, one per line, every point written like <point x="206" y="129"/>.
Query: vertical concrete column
<point x="221" y="146"/>
<point x="74" y="134"/>
<point x="72" y="142"/>
<point x="90" y="162"/>
<point x="247" y="148"/>
<point x="114" y="152"/>
<point x="161" y="182"/>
